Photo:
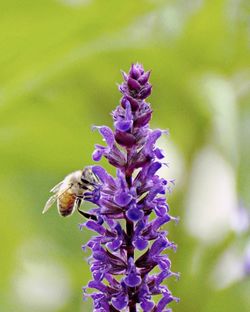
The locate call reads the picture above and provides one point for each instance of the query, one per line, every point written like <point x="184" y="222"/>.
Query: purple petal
<point x="128" y="113"/>
<point x="123" y="125"/>
<point x="97" y="154"/>
<point x="158" y="153"/>
<point x="122" y="198"/>
<point x="163" y="302"/>
<point x="139" y="226"/>
<point x="118" y="228"/>
<point x="145" y="92"/>
<point x="134" y="214"/>
<point x="98" y="275"/>
<point x="164" y="263"/>
<point x="100" y="172"/>
<point x="120" y="302"/>
<point x="160" y="221"/>
<point x="133" y="102"/>
<point x="125" y="139"/>
<point x="125" y="76"/>
<point x="153" y="137"/>
<point x="144" y="78"/>
<point x="141" y="244"/>
<point x="161" y="210"/>
<point x="115" y="244"/>
<point x="132" y="280"/>
<point x="153" y="168"/>
<point x="135" y="71"/>
<point x="146" y="305"/>
<point x="161" y="277"/>
<point x="142" y="120"/>
<point x="107" y="134"/>
<point x="158" y="246"/>
<point x="123" y="88"/>
<point x="140" y="68"/>
<point x="100" y="302"/>
<point x="95" y="227"/>
<point x="133" y="84"/>
<point x="97" y="285"/>
<point x="101" y="256"/>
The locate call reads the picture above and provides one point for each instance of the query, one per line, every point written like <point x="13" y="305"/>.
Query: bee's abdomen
<point x="66" y="203"/>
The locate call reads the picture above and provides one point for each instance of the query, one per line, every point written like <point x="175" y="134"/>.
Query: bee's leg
<point x="85" y="214"/>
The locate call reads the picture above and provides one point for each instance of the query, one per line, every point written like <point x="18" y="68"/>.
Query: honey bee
<point x="70" y="192"/>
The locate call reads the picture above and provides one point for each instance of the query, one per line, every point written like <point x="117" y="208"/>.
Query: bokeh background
<point x="60" y="61"/>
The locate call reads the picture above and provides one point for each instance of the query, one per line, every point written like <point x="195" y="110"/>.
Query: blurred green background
<point x="60" y="62"/>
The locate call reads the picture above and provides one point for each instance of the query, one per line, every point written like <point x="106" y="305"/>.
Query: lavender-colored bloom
<point x="124" y="205"/>
<point x="246" y="261"/>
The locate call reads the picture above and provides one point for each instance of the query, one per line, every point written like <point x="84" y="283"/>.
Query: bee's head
<point x="91" y="183"/>
<point x="88" y="177"/>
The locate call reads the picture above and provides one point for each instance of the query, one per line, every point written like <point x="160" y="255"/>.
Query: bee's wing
<point x="56" y="189"/>
<point x="50" y="202"/>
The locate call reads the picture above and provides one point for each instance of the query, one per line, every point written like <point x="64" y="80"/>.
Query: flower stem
<point x="130" y="233"/>
<point x="129" y="224"/>
<point x="130" y="254"/>
<point x="132" y="308"/>
<point x="130" y="247"/>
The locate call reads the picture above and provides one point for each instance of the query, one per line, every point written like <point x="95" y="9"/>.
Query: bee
<point x="70" y="192"/>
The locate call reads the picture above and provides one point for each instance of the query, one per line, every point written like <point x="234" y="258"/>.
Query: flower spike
<point x="131" y="209"/>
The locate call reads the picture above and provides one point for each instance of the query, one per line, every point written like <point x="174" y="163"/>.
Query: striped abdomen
<point x="65" y="203"/>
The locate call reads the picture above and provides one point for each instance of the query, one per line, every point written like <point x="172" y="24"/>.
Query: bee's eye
<point x="85" y="181"/>
<point x="82" y="186"/>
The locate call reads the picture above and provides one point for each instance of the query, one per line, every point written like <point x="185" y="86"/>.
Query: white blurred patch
<point x="220" y="97"/>
<point x="171" y="20"/>
<point x="175" y="168"/>
<point x="235" y="13"/>
<point x="228" y="270"/>
<point x="211" y="200"/>
<point x="166" y="22"/>
<point x="241" y="83"/>
<point x="40" y="283"/>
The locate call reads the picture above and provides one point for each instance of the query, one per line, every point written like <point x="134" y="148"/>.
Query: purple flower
<point x="131" y="209"/>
